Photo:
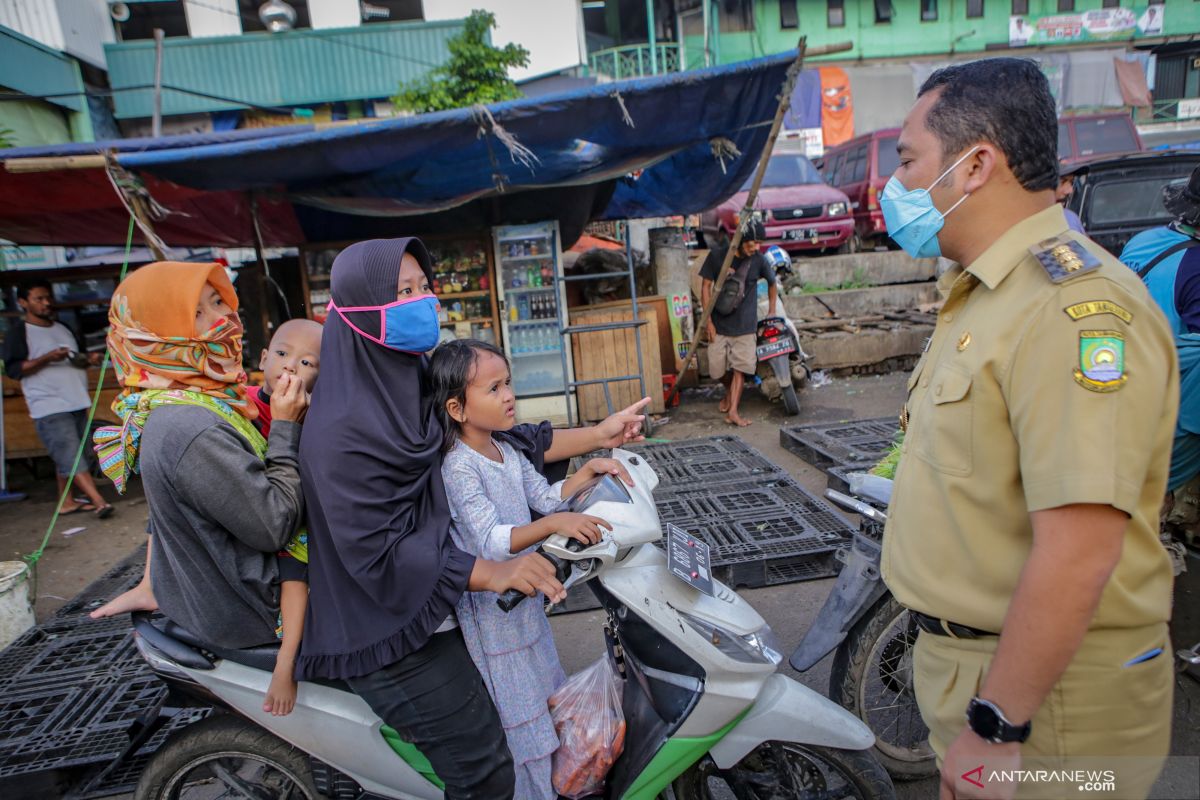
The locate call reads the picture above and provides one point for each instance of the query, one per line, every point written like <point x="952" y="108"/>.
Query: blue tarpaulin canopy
<point x="672" y="144"/>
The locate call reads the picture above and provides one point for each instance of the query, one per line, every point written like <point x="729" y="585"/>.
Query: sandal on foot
<point x="78" y="509"/>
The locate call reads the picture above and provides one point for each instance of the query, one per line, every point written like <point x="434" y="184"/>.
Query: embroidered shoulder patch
<point x="1093" y="307"/>
<point x="1064" y="258"/>
<point x="1101" y="361"/>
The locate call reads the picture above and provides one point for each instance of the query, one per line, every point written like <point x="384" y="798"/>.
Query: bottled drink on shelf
<point x="523" y="306"/>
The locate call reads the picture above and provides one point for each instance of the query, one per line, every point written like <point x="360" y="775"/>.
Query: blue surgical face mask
<point x="912" y="220"/>
<point x="409" y="325"/>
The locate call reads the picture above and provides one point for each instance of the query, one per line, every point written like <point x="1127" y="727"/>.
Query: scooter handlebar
<point x="510" y="600"/>
<point x="562" y="568"/>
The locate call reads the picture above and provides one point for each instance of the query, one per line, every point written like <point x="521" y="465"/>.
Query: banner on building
<point x="837" y="106"/>
<point x="1097" y="25"/>
<point x="31" y="257"/>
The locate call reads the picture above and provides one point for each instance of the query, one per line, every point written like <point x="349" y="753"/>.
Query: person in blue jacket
<point x="1167" y="258"/>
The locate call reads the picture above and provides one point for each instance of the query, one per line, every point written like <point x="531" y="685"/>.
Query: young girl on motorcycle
<point x="491" y="488"/>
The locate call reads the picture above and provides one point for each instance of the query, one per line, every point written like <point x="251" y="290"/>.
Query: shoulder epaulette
<point x="1063" y="258"/>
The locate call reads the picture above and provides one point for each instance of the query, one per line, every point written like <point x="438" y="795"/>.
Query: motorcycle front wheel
<point x="872" y="678"/>
<point x="788" y="771"/>
<point x="226" y="756"/>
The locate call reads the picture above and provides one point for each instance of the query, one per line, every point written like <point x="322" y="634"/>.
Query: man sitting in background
<point x="41" y="354"/>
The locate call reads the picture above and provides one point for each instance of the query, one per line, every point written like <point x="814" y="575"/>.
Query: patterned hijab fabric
<point x="160" y="360"/>
<point x="118" y="447"/>
<point x="152" y="339"/>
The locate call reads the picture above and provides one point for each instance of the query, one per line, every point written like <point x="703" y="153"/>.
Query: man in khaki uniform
<point x="1023" y="528"/>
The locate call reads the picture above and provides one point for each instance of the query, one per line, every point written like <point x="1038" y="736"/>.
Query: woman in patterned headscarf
<point x="222" y="499"/>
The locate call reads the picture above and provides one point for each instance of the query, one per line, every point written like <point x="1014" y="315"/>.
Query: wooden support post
<point x="785" y="100"/>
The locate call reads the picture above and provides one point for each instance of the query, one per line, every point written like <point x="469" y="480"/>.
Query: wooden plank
<point x="604" y="354"/>
<point x="838" y="322"/>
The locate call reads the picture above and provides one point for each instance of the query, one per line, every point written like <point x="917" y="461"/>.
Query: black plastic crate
<point x="82" y="655"/>
<point x="807" y="569"/>
<point x="50" y="729"/>
<point x="714" y="472"/>
<point x="835" y="444"/>
<point x="50" y="719"/>
<point x="104" y="780"/>
<point x="579" y="598"/>
<point x="66" y="651"/>
<point x="838" y="478"/>
<point x="712" y="447"/>
<point x="745" y="551"/>
<point x="120" y="578"/>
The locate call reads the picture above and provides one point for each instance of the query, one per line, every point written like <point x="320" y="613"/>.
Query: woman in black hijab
<point x="384" y="573"/>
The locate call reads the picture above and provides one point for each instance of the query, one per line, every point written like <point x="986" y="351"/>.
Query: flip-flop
<point x="78" y="509"/>
<point x="105" y="511"/>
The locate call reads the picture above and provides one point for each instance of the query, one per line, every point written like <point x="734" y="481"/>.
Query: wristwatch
<point x="989" y="723"/>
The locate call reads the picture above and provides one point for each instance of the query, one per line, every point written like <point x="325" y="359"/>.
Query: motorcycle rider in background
<point x="1168" y="260"/>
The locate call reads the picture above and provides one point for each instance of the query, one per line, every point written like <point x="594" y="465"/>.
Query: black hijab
<point x="383" y="570"/>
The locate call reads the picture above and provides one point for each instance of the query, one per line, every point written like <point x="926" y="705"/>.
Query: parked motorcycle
<point x="872" y="638"/>
<point x="700" y="695"/>
<point x="782" y="363"/>
<point x="776" y="347"/>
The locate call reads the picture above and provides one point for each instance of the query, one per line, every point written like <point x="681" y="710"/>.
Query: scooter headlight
<point x="760" y="647"/>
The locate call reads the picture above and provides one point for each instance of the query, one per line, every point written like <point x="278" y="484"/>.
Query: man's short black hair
<point x="37" y="283"/>
<point x="1004" y="101"/>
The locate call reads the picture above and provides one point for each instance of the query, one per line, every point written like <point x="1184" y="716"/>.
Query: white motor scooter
<point x="702" y="700"/>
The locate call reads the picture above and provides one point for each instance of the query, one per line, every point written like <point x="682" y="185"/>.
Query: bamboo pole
<point x="53" y="163"/>
<point x="785" y="101"/>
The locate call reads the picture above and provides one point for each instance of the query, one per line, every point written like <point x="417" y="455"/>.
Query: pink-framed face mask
<point x="409" y="325"/>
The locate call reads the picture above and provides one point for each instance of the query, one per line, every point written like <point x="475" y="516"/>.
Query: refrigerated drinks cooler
<point x="532" y="305"/>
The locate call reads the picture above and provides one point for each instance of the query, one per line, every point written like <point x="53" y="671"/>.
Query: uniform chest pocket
<point x="946" y="435"/>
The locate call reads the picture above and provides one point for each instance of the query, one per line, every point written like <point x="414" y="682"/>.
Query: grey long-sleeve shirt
<point x="218" y="515"/>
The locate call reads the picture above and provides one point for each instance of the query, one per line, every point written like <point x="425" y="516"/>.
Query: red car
<point x="800" y="211"/>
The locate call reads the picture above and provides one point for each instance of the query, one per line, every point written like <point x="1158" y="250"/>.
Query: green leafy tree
<point x="476" y="72"/>
<point x="7" y="137"/>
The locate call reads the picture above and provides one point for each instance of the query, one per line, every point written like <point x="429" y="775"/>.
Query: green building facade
<point x="879" y="29"/>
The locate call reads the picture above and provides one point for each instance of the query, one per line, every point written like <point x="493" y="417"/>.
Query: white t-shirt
<point x="56" y="387"/>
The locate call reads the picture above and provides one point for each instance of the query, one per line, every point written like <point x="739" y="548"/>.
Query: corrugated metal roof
<point x="34" y="69"/>
<point x="36" y="19"/>
<point x="297" y="68"/>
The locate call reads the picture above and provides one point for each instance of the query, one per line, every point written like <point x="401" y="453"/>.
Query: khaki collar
<point x="994" y="265"/>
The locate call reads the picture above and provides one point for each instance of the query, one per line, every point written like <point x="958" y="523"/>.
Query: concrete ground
<point x="71" y="561"/>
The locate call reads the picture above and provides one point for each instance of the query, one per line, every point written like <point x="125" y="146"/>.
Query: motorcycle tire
<point x="226" y="750"/>
<point x="790" y="401"/>
<point x="864" y="651"/>
<point x="786" y="770"/>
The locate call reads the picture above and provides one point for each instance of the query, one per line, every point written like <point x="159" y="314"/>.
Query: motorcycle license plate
<point x="688" y="559"/>
<point x="775" y="348"/>
<point x="800" y="234"/>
